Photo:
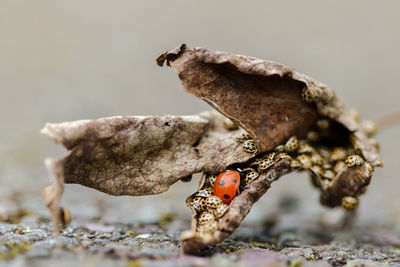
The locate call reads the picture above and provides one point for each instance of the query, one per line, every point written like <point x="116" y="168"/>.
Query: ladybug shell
<point x="226" y="185"/>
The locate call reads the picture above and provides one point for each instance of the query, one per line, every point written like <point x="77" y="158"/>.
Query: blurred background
<point x="70" y="60"/>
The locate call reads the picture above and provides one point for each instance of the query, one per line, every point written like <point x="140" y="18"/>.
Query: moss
<point x="261" y="244"/>
<point x="131" y="233"/>
<point x="235" y="248"/>
<point x="15" y="217"/>
<point x="165" y="219"/>
<point x="312" y="257"/>
<point x="134" y="263"/>
<point x="296" y="263"/>
<point x="13" y="249"/>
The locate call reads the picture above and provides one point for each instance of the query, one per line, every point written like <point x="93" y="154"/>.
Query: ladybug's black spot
<point x="227" y="196"/>
<point x="221" y="182"/>
<point x="234" y="181"/>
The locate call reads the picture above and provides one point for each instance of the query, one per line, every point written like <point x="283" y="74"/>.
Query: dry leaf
<point x="263" y="97"/>
<point x="272" y="102"/>
<point x="138" y="155"/>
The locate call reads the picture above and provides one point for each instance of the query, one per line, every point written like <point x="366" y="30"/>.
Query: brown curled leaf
<point x="267" y="99"/>
<point x="138" y="155"/>
<point x="263" y="97"/>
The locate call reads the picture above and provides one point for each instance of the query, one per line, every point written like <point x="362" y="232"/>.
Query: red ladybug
<point x="226" y="185"/>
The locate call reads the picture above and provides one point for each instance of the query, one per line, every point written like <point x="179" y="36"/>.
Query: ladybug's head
<point x="235" y="167"/>
<point x="241" y="172"/>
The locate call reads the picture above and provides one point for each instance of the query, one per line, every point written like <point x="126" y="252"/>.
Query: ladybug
<point x="305" y="161"/>
<point x="280" y="148"/>
<point x="316" y="159"/>
<point x="226" y="185"/>
<point x="313" y="136"/>
<point x="210" y="180"/>
<point x="213" y="202"/>
<point x="370" y="168"/>
<point x="221" y="210"/>
<point x="292" y="144"/>
<point x="356" y="144"/>
<point x="243" y="137"/>
<point x="317" y="170"/>
<point x="249" y="146"/>
<point x="208" y="227"/>
<point x="305" y="149"/>
<point x="339" y="153"/>
<point x="284" y="155"/>
<point x="204" y="192"/>
<point x="206" y="217"/>
<point x="354" y="160"/>
<point x="329" y="174"/>
<point x="198" y="203"/>
<point x="250" y="177"/>
<point x="349" y="203"/>
<point x="339" y="166"/>
<point x="295" y="164"/>
<point x="305" y="93"/>
<point x="230" y="125"/>
<point x="323" y="124"/>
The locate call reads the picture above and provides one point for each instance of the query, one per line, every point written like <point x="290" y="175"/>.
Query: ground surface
<point x="287" y="226"/>
<point x="143" y="245"/>
<point x="69" y="61"/>
<point x="109" y="231"/>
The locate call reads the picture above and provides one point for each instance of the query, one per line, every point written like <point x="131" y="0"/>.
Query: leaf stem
<point x="388" y="120"/>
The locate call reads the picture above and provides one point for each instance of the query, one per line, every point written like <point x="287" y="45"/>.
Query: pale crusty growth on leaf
<point x="263" y="97"/>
